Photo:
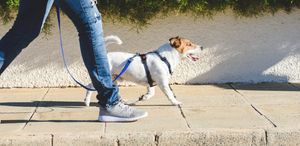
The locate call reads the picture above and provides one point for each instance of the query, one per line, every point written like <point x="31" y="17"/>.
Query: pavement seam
<point x="266" y="135"/>
<point x="260" y="113"/>
<point x="52" y="139"/>
<point x="105" y="128"/>
<point x="156" y="138"/>
<point x="36" y="107"/>
<point x="118" y="142"/>
<point x="181" y="111"/>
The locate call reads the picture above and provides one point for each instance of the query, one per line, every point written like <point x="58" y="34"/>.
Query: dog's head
<point x="185" y="47"/>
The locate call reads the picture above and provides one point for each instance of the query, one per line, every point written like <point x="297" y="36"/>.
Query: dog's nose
<point x="201" y="48"/>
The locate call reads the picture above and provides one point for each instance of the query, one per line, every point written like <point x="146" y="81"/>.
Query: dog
<point x="174" y="51"/>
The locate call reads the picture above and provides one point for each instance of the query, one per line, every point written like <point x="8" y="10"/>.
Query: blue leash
<point x="62" y="50"/>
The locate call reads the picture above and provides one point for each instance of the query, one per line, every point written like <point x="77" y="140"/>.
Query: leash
<point x="62" y="50"/>
<point x="143" y="57"/>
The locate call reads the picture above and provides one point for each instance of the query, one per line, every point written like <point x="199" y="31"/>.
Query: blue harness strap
<point x="125" y="67"/>
<point x="62" y="50"/>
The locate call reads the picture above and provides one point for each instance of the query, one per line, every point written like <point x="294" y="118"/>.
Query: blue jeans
<point x="86" y="18"/>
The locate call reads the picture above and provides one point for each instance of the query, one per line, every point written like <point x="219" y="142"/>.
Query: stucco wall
<point x="247" y="50"/>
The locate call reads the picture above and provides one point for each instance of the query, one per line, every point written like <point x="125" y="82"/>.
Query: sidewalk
<point x="228" y="114"/>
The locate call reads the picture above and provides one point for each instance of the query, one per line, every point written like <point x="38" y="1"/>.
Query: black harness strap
<point x="150" y="81"/>
<point x="164" y="59"/>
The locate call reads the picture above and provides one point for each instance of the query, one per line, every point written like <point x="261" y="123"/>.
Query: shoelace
<point x="125" y="107"/>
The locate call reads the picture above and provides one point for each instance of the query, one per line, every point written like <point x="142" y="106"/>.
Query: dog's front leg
<point x="166" y="89"/>
<point x="149" y="94"/>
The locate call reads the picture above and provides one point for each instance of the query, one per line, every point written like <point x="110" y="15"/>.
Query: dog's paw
<point x="144" y="97"/>
<point x="123" y="100"/>
<point x="176" y="103"/>
<point x="86" y="102"/>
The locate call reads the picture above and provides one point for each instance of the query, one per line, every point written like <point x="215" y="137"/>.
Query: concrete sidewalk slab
<point x="17" y="106"/>
<point x="20" y="100"/>
<point x="224" y="117"/>
<point x="282" y="115"/>
<point x="14" y="122"/>
<point x="278" y="102"/>
<point x="208" y="96"/>
<point x="269" y="94"/>
<point x="163" y="119"/>
<point x="64" y="110"/>
<point x="62" y="121"/>
<point x="65" y="99"/>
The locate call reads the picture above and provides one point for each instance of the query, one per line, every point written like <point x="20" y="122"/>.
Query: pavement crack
<point x="184" y="117"/>
<point x="259" y="112"/>
<point x="36" y="107"/>
<point x="181" y="111"/>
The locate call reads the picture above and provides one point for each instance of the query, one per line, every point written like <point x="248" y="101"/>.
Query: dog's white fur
<point x="181" y="49"/>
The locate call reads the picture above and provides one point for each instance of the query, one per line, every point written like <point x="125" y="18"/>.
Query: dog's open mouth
<point x="192" y="57"/>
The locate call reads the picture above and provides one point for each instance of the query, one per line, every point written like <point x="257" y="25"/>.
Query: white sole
<point x="117" y="119"/>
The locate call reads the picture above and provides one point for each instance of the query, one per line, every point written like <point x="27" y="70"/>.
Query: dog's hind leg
<point x="88" y="95"/>
<point x="149" y="94"/>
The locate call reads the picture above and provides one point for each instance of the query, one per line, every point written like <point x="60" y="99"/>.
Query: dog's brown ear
<point x="175" y="42"/>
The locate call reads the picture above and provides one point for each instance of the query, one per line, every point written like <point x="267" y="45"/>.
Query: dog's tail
<point x="112" y="40"/>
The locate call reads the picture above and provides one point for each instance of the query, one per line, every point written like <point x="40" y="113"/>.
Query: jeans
<point x="86" y="18"/>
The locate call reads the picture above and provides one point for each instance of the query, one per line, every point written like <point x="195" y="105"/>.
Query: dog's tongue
<point x="193" y="57"/>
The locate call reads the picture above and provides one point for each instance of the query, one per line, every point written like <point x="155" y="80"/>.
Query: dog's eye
<point x="189" y="44"/>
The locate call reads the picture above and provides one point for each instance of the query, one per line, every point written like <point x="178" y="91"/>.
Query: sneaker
<point x="120" y="113"/>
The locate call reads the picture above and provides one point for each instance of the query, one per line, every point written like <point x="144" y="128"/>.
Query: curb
<point x="269" y="137"/>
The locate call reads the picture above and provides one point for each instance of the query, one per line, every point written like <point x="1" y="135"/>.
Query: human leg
<point x="27" y="26"/>
<point x="87" y="20"/>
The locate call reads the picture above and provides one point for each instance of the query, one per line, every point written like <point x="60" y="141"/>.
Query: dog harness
<point x="150" y="81"/>
<point x="144" y="61"/>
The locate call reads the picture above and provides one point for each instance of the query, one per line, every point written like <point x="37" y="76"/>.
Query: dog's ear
<point x="175" y="42"/>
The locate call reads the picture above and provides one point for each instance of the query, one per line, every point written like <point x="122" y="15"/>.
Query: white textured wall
<point x="248" y="50"/>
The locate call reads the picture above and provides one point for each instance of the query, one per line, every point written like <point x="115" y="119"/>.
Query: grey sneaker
<point x="120" y="113"/>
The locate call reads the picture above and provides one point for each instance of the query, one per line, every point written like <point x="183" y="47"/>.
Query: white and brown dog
<point x="174" y="51"/>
